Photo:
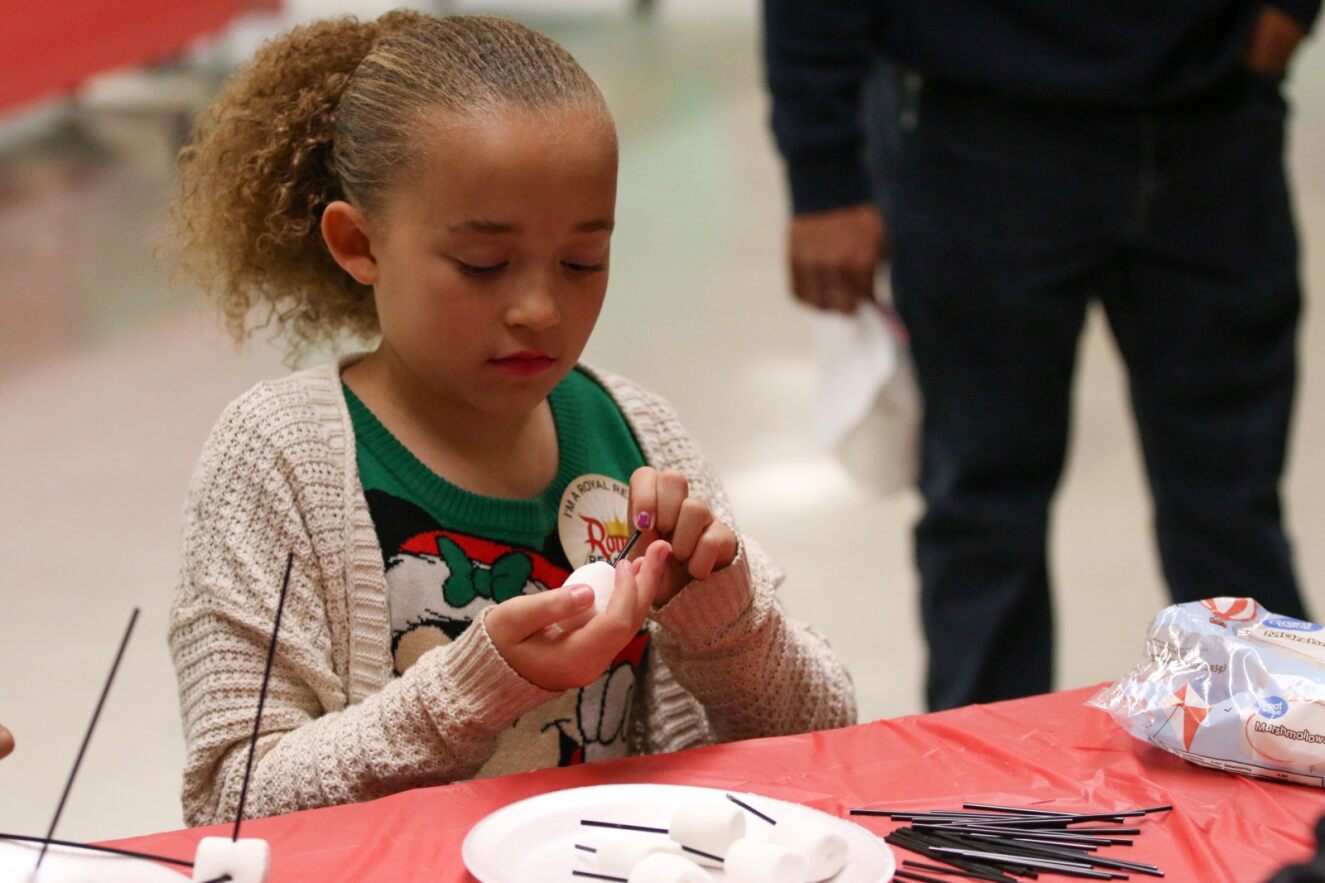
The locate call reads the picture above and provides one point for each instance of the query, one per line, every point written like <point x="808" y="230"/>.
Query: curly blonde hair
<point x="330" y="111"/>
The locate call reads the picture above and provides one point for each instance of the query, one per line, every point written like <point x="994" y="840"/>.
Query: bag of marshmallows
<point x="1227" y="684"/>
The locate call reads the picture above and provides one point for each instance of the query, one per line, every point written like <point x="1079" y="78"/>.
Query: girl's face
<point x="492" y="254"/>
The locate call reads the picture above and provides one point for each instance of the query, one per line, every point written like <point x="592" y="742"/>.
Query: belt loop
<point x="911" y="85"/>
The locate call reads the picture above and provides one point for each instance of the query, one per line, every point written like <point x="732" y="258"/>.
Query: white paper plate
<point x="535" y="838"/>
<point x="69" y="865"/>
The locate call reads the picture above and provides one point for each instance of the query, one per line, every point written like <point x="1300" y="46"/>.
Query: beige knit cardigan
<point x="279" y="474"/>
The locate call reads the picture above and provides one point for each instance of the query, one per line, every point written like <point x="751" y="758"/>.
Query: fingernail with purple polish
<point x="643" y="521"/>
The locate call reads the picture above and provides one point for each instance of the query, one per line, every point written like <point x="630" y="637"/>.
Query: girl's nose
<point x="535" y="306"/>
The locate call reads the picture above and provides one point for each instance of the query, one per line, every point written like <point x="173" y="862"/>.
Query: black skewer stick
<point x="750" y="809"/>
<point x="924" y="845"/>
<point x="1061" y="866"/>
<point x="262" y="696"/>
<point x="939" y="869"/>
<point x="912" y="875"/>
<point x="1015" y="810"/>
<point x="592" y="876"/>
<point x="87" y="737"/>
<point x="25" y="838"/>
<point x="622" y="826"/>
<point x="1015" y="833"/>
<point x="625" y="550"/>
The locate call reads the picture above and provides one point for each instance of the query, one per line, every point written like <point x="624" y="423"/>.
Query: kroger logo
<point x="1292" y="625"/>
<point x="1272" y="707"/>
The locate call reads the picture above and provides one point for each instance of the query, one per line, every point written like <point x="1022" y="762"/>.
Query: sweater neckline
<point x="473" y="511"/>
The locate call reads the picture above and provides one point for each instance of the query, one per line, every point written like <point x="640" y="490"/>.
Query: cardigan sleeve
<point x="727" y="640"/>
<point x="262" y="489"/>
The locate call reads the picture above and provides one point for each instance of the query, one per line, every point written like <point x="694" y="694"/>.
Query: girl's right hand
<point x="6" y="742"/>
<point x="529" y="633"/>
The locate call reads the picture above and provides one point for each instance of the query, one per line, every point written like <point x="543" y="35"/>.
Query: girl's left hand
<point x="661" y="508"/>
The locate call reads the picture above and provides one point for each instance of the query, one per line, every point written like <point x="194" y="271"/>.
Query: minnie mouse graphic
<point x="440" y="580"/>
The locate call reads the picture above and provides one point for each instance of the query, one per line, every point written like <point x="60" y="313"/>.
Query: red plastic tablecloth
<point x="48" y="48"/>
<point x="1047" y="748"/>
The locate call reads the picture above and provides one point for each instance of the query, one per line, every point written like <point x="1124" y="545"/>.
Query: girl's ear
<point x="345" y="230"/>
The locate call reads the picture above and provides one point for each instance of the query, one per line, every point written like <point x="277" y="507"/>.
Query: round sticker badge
<point x="591" y="521"/>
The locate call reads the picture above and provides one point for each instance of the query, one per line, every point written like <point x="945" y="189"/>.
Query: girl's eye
<point x="584" y="268"/>
<point x="480" y="269"/>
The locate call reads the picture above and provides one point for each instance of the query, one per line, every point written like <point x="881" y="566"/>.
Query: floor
<point x="111" y="374"/>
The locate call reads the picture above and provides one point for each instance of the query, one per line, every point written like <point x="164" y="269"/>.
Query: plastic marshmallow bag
<point x="867" y="408"/>
<point x="1227" y="684"/>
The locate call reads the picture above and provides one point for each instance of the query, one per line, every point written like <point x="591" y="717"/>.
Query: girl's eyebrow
<point x="498" y="228"/>
<point x="494" y="228"/>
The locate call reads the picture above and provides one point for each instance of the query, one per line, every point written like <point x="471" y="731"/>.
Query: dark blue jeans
<point x="1008" y="219"/>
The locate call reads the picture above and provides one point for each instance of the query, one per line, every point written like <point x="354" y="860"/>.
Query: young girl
<point x="447" y="185"/>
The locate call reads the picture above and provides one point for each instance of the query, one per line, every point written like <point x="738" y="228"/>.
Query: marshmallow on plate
<point x="660" y="867"/>
<point x="758" y="861"/>
<point x="618" y="853"/>
<point x="825" y="850"/>
<point x="709" y="826"/>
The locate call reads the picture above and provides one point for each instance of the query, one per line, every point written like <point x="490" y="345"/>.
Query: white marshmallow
<point x="246" y="861"/>
<point x="825" y="850"/>
<point x="619" y="852"/>
<point x="599" y="576"/>
<point x="758" y="861"/>
<point x="710" y="826"/>
<point x="663" y="868"/>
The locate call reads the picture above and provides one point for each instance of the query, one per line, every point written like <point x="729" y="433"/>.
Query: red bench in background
<point x="49" y="47"/>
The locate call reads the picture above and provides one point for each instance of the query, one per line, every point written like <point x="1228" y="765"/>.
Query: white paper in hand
<point x="867" y="407"/>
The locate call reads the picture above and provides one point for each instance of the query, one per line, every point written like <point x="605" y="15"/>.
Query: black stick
<point x="592" y="876"/>
<point x="87" y="737"/>
<point x="262" y="696"/>
<point x="912" y="875"/>
<point x="889" y="813"/>
<point x="750" y="809"/>
<point x="907" y="839"/>
<point x="1061" y="866"/>
<point x="622" y="826"/>
<point x="702" y="854"/>
<point x="24" y="838"/>
<point x="938" y="869"/>
<point x="1021" y="811"/>
<point x="630" y="544"/>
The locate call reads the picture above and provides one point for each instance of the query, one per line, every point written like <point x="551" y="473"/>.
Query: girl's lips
<point x="524" y="364"/>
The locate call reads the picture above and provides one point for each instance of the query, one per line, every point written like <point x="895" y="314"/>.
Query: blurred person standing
<point x="1031" y="156"/>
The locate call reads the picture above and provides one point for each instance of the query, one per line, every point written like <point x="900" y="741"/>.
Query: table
<point x="1045" y="748"/>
